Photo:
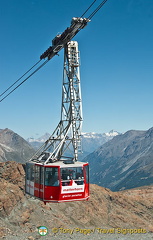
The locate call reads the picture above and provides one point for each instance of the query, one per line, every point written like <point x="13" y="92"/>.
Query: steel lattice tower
<point x="66" y="139"/>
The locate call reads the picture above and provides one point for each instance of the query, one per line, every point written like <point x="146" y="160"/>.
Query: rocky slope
<point x="13" y="147"/>
<point x="20" y="215"/>
<point x="124" y="162"/>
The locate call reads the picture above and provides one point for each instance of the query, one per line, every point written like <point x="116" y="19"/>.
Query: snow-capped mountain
<point x="90" y="141"/>
<point x="37" y="143"/>
<point x="41" y="139"/>
<point x="112" y="133"/>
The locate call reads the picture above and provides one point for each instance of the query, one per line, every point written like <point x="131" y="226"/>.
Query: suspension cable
<point x="88" y="8"/>
<point x="19" y="78"/>
<point x="97" y="9"/>
<point x="91" y="16"/>
<point x="24" y="80"/>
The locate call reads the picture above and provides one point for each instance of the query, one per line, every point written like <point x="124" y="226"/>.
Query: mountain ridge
<point x="14" y="147"/>
<point x="122" y="160"/>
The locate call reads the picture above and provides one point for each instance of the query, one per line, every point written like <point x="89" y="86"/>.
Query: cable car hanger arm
<point x="77" y="24"/>
<point x="60" y="40"/>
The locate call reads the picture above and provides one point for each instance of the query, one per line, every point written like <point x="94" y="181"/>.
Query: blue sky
<point x="116" y="51"/>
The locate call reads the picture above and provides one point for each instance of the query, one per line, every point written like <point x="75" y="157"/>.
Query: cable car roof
<point x="61" y="164"/>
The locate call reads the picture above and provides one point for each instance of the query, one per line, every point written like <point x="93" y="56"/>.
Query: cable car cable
<point x="19" y="78"/>
<point x="91" y="16"/>
<point x="97" y="9"/>
<point x="88" y="8"/>
<point x="24" y="80"/>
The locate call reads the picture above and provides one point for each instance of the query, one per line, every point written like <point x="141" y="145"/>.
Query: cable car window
<point x="41" y="175"/>
<point x="32" y="172"/>
<point x="51" y="176"/>
<point x="87" y="173"/>
<point x="37" y="174"/>
<point x="28" y="171"/>
<point x="68" y="174"/>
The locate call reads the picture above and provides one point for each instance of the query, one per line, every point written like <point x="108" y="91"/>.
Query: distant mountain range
<point x="14" y="147"/>
<point x="119" y="162"/>
<point x="90" y="141"/>
<point x="124" y="162"/>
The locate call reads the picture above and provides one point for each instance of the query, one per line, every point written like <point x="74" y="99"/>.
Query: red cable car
<point x="58" y="181"/>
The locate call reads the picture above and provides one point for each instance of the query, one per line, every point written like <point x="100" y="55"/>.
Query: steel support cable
<point x="91" y="15"/>
<point x="97" y="9"/>
<point x="24" y="80"/>
<point x="88" y="8"/>
<point x="19" y="78"/>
